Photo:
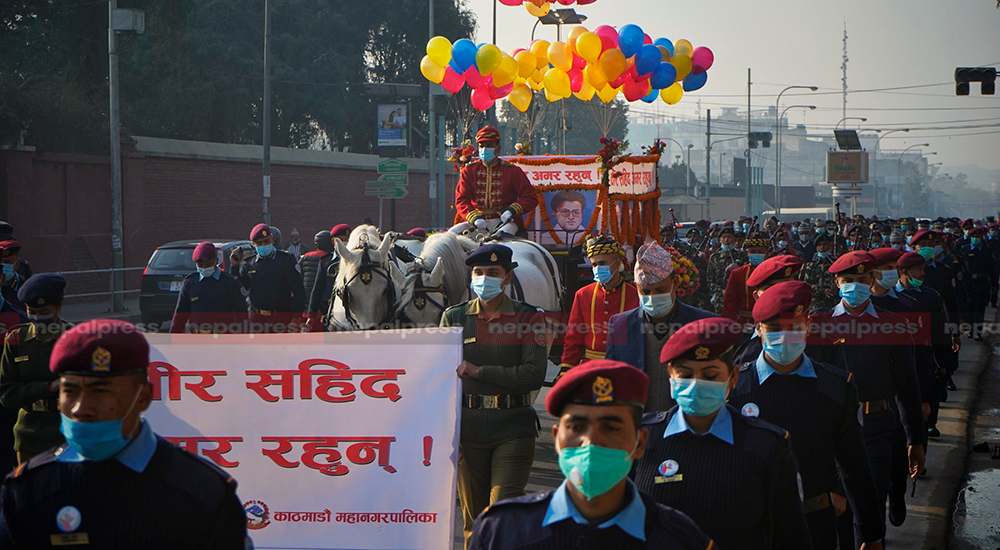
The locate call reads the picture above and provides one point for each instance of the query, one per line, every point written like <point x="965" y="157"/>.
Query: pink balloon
<point x="609" y="37"/>
<point x="702" y="59"/>
<point x="501" y="92"/>
<point x="511" y="2"/>
<point x="475" y="79"/>
<point x="579" y="62"/>
<point x="565" y="2"/>
<point x="634" y="91"/>
<point x="481" y="99"/>
<point x="575" y="80"/>
<point x="646" y="39"/>
<point x="625" y="76"/>
<point x="585" y="2"/>
<point x="453" y="81"/>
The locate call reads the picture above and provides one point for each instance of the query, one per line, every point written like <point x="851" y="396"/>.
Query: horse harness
<point x="365" y="274"/>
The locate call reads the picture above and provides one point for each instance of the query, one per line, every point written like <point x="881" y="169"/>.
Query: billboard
<point x="847" y="167"/>
<point x="392" y="125"/>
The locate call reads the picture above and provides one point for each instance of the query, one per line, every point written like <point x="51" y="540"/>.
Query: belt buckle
<point x="491" y="402"/>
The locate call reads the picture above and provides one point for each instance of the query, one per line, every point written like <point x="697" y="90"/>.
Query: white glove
<point x="506" y="216"/>
<point x="480" y="223"/>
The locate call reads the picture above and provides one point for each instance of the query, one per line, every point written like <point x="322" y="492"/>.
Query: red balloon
<point x="453" y="81"/>
<point x="481" y="99"/>
<point x="575" y="80"/>
<point x="475" y="79"/>
<point x="609" y="37"/>
<point x="625" y="76"/>
<point x="579" y="62"/>
<point x="511" y="2"/>
<point x="634" y="91"/>
<point x="646" y="39"/>
<point x="502" y="91"/>
<point x="517" y="51"/>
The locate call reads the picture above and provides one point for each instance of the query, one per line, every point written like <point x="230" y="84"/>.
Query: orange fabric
<point x="590" y="319"/>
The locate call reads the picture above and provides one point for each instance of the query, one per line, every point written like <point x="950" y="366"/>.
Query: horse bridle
<point x="420" y="291"/>
<point x="364" y="273"/>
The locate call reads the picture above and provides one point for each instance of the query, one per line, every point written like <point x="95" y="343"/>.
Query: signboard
<point x="847" y="167"/>
<point x="333" y="446"/>
<point x="392" y="125"/>
<point x="393" y="166"/>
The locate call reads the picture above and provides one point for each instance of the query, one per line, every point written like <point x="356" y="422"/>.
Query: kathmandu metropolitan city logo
<point x="258" y="516"/>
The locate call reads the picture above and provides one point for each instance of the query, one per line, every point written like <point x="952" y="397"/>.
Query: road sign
<point x="398" y="179"/>
<point x="847" y="167"/>
<point x="392" y="166"/>
<point x="372" y="185"/>
<point x="388" y="192"/>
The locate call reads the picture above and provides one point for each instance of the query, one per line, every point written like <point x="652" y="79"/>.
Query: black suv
<point x="161" y="280"/>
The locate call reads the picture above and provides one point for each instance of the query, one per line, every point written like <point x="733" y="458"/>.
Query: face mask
<point x="727" y="247"/>
<point x="603" y="274"/>
<point x="822" y="254"/>
<point x="820" y="230"/>
<point x="41" y="318"/>
<point x="909" y="238"/>
<point x="487" y="288"/>
<point x="205" y="272"/>
<point x="899" y="246"/>
<point x="594" y="470"/>
<point x="916" y="283"/>
<point x="782" y="244"/>
<point x="8" y="271"/>
<point x="805" y="237"/>
<point x="938" y="250"/>
<point x="698" y="397"/>
<point x="488" y="154"/>
<point x="904" y="227"/>
<point x="994" y="234"/>
<point x="855" y="294"/>
<point x="96" y="440"/>
<point x="847" y="242"/>
<point x="265" y="250"/>
<point x="976" y="241"/>
<point x="656" y="305"/>
<point x="746" y="227"/>
<point x="756" y="259"/>
<point x="889" y="278"/>
<point x="784" y="346"/>
<point x="926" y="252"/>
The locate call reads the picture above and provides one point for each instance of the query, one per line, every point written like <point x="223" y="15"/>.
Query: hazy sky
<point x="891" y="44"/>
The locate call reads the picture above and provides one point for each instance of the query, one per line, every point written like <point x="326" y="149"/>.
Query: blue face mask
<point x="756" y="259"/>
<point x="782" y="244"/>
<point x="698" y="397"/>
<point x="8" y="271"/>
<point x="603" y="274"/>
<point x="205" y="272"/>
<point x="727" y="247"/>
<point x="656" y="305"/>
<point x="784" y="347"/>
<point x="908" y="239"/>
<point x="487" y="154"/>
<point x="487" y="288"/>
<point x="594" y="470"/>
<point x="822" y="254"/>
<point x="889" y="278"/>
<point x="855" y="294"/>
<point x="96" y="440"/>
<point x="938" y="250"/>
<point x="265" y="250"/>
<point x="746" y="227"/>
<point x="847" y="242"/>
<point x="821" y="231"/>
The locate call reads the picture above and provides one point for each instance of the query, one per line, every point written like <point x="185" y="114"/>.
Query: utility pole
<point x="267" y="113"/>
<point x="843" y="67"/>
<point x="749" y="175"/>
<point x="708" y="164"/>
<point x="117" y="244"/>
<point x="431" y="122"/>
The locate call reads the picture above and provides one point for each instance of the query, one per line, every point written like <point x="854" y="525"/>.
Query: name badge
<point x="21" y="359"/>
<point x="69" y="539"/>
<point x="195" y="298"/>
<point x="662" y="479"/>
<point x="469" y="340"/>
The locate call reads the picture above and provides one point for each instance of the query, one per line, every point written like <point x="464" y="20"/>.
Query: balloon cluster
<point x="539" y="8"/>
<point x="604" y="63"/>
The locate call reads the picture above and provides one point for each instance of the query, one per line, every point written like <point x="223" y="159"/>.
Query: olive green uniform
<point x="821" y="280"/>
<point x="718" y="274"/>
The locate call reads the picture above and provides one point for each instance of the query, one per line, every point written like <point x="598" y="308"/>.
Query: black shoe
<point x="951" y="385"/>
<point x="933" y="432"/>
<point x="982" y="447"/>
<point x="897" y="511"/>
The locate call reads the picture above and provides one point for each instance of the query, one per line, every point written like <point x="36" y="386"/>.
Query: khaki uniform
<point x="718" y="273"/>
<point x="821" y="280"/>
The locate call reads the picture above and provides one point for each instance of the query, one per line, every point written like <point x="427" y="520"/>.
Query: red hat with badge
<point x="702" y="340"/>
<point x="204" y="251"/>
<point x="340" y="229"/>
<point x="101" y="347"/>
<point x="925" y="234"/>
<point x="487" y="133"/>
<point x="910" y="259"/>
<point x="260" y="231"/>
<point x="789" y="299"/>
<point x="598" y="382"/>
<point x="885" y="255"/>
<point x="776" y="267"/>
<point x="858" y="262"/>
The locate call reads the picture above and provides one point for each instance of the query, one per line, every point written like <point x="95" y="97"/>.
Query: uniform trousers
<point x="490" y="472"/>
<point x="823" y="528"/>
<point x="879" y="446"/>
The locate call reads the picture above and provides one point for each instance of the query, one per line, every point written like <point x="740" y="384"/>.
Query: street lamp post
<point x="777" y="131"/>
<point x="899" y="160"/>
<point x="861" y="118"/>
<point x="721" y="154"/>
<point x="875" y="170"/>
<point x="777" y="156"/>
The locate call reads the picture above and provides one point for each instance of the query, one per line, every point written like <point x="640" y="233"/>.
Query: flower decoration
<point x="523" y="147"/>
<point x="656" y="148"/>
<point x="612" y="153"/>
<point x="687" y="274"/>
<point x="463" y="155"/>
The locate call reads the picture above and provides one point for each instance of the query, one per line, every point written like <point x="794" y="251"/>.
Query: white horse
<point x="437" y="279"/>
<point x="369" y="289"/>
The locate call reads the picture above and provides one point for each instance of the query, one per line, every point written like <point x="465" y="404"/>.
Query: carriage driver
<point x="491" y="191"/>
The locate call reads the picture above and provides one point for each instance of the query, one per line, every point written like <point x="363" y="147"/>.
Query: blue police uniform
<point x="274" y="284"/>
<point x="211" y="300"/>
<point x="981" y="266"/>
<point x="10" y="317"/>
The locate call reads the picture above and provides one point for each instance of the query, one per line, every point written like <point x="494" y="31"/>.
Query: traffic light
<point x="986" y="76"/>
<point x="763" y="137"/>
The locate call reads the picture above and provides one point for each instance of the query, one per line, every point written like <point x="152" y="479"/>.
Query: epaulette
<point x="13" y="337"/>
<point x="190" y="275"/>
<point x="48" y="457"/>
<point x="833" y="382"/>
<point x="840" y="373"/>
<point x="532" y="498"/>
<point x="194" y="459"/>
<point x="755" y="422"/>
<point x="454" y="307"/>
<point x="654" y="417"/>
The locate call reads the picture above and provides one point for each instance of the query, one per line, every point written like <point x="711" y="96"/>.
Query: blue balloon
<point x="694" y="82"/>
<point x="630" y="39"/>
<point x="647" y="60"/>
<point x="663" y="77"/>
<point x="463" y="55"/>
<point x="652" y="96"/>
<point x="666" y="43"/>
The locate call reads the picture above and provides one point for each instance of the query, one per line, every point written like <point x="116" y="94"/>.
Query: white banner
<point x="346" y="440"/>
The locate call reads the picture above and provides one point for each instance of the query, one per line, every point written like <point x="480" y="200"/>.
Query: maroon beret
<point x="260" y="231"/>
<point x="418" y="232"/>
<point x="910" y="259"/>
<point x="853" y="263"/>
<point x="777" y="267"/>
<point x="487" y="133"/>
<point x="925" y="234"/>
<point x="340" y="229"/>
<point x="102" y="347"/>
<point x="598" y="382"/>
<point x="885" y="255"/>
<point x="789" y="298"/>
<point x="980" y="231"/>
<point x="10" y="248"/>
<point x="702" y="340"/>
<point x="204" y="251"/>
<point x="967" y="222"/>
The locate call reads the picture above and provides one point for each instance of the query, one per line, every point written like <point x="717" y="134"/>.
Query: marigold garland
<point x="687" y="274"/>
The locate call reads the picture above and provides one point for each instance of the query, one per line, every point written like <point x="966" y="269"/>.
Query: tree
<point x="916" y="199"/>
<point x="586" y="123"/>
<point x="676" y="176"/>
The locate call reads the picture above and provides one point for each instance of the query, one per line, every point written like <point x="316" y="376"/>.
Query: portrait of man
<point x="568" y="211"/>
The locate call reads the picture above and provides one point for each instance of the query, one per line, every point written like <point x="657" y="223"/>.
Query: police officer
<point x="10" y="280"/>
<point x="735" y="476"/>
<point x="322" y="287"/>
<point x="504" y="359"/>
<point x="818" y="405"/>
<point x="598" y="437"/>
<point x="721" y="263"/>
<point x="210" y="300"/>
<point x="273" y="283"/>
<point x="737" y="300"/>
<point x="978" y="259"/>
<point x="26" y="384"/>
<point x="113" y="480"/>
<point x="816" y="273"/>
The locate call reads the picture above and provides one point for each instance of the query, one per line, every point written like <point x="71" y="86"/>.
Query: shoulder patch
<point x="764" y="425"/>
<point x="656" y="417"/>
<point x="48" y="457"/>
<point x="836" y="371"/>
<point x="531" y="498"/>
<point x="745" y="366"/>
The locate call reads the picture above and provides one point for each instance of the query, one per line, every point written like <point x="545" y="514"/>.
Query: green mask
<point x="916" y="283"/>
<point x="927" y="252"/>
<point x="594" y="470"/>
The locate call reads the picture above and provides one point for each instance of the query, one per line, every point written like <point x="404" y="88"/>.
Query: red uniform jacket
<point x="738" y="301"/>
<point x="590" y="319"/>
<point x="485" y="192"/>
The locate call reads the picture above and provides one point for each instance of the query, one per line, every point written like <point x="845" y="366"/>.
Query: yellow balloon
<point x="672" y="94"/>
<point x="535" y="85"/>
<point x="551" y="96"/>
<point x="536" y="10"/>
<point x="586" y="92"/>
<point x="537" y="76"/>
<point x="557" y="82"/>
<point x="612" y="63"/>
<point x="560" y="56"/>
<point x="607" y="93"/>
<point x="588" y="46"/>
<point x="683" y="47"/>
<point x="430" y="70"/>
<point x="488" y="58"/>
<point x="683" y="65"/>
<point x="573" y="35"/>
<point x="526" y="63"/>
<point x="540" y="50"/>
<point x="506" y="72"/>
<point x="593" y="75"/>
<point x="439" y="50"/>
<point x="520" y="97"/>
